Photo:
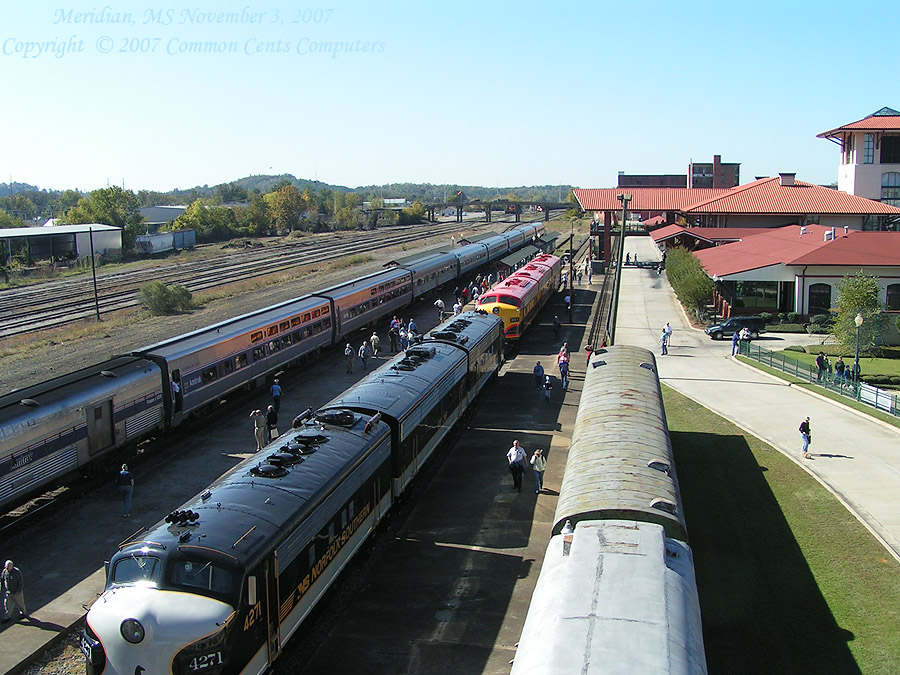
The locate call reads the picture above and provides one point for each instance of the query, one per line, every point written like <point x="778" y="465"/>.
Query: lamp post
<point x="571" y="289"/>
<point x="859" y="322"/>
<point x="624" y="198"/>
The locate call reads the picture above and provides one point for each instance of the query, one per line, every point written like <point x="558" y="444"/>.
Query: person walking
<point x="806" y="435"/>
<point x="375" y="341"/>
<point x="14" y="585"/>
<point x="548" y="385"/>
<point x="735" y="343"/>
<point x="538" y="466"/>
<point x="839" y="369"/>
<point x="516" y="458"/>
<point x="364" y="353"/>
<point x="394" y="335"/>
<point x="439" y="305"/>
<point x="667" y="329"/>
<point x="538" y="375"/>
<point x="556" y="326"/>
<point x="564" y="373"/>
<point x="348" y="357"/>
<point x="259" y="428"/>
<point x="821" y="365"/>
<point x="125" y="481"/>
<point x="272" y="423"/>
<point x="663" y="343"/>
<point x="276" y="395"/>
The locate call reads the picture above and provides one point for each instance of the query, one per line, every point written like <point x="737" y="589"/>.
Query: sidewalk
<point x="853" y="455"/>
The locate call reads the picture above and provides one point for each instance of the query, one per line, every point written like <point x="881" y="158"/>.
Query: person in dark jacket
<point x="14" y="586"/>
<point x="125" y="481"/>
<point x="272" y="423"/>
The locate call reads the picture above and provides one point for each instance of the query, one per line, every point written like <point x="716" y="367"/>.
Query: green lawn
<point x="866" y="365"/>
<point x="789" y="580"/>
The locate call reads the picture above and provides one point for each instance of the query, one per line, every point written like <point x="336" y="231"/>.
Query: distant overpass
<point x="503" y="205"/>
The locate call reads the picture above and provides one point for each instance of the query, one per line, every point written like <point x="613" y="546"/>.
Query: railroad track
<point x="55" y="303"/>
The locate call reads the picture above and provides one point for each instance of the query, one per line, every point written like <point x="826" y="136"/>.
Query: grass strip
<point x="789" y="580"/>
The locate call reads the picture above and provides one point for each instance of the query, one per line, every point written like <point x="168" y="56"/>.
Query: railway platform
<point x="61" y="552"/>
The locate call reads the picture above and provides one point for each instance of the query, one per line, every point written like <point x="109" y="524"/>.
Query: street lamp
<point x="859" y="322"/>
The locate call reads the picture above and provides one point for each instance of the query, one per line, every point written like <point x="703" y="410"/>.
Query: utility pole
<point x="624" y="198"/>
<point x="571" y="267"/>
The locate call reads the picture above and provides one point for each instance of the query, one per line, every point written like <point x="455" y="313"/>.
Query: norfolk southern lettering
<point x="105" y="16"/>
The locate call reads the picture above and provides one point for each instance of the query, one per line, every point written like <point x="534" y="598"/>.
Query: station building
<point x="870" y="156"/>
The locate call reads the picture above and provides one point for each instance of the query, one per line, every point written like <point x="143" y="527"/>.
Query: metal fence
<point x="859" y="391"/>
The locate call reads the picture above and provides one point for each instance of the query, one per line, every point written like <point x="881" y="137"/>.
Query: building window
<point x="819" y="299"/>
<point x="890" y="188"/>
<point x="757" y="295"/>
<point x="893" y="298"/>
<point x="890" y="150"/>
<point x="869" y="149"/>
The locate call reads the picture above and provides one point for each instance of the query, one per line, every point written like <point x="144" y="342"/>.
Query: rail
<point x="866" y="394"/>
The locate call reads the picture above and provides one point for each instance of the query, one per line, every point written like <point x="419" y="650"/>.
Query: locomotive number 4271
<point x="204" y="661"/>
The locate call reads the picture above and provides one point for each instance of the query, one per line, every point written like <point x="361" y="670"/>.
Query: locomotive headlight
<point x="495" y="310"/>
<point x="132" y="631"/>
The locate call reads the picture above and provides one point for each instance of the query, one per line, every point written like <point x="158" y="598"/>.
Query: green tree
<point x="7" y="221"/>
<point x="210" y="222"/>
<point x="858" y="294"/>
<point x="110" y="206"/>
<point x="286" y="205"/>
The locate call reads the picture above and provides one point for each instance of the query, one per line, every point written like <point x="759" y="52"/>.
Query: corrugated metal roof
<point x="48" y="230"/>
<point x="787" y="246"/>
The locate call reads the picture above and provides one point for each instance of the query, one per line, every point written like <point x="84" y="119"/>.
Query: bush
<point x="781" y="317"/>
<point x="895" y="380"/>
<point x="162" y="300"/>
<point x="690" y="282"/>
<point x="817" y="329"/>
<point x="876" y="380"/>
<point x="766" y="317"/>
<point x="889" y="352"/>
<point x="822" y="320"/>
<point x="792" y="317"/>
<point x="795" y="348"/>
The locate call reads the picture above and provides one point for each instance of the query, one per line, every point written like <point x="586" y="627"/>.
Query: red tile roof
<point x="766" y="196"/>
<point x="643" y="199"/>
<point x="769" y="196"/>
<point x="885" y="119"/>
<point x="787" y="246"/>
<point x="707" y="234"/>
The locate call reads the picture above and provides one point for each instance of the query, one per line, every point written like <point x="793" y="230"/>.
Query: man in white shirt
<point x="516" y="458"/>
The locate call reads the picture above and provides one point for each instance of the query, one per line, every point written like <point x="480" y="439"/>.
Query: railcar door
<point x="100" y="428"/>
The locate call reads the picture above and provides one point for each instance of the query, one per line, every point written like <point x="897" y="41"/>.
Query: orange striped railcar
<point x="518" y="298"/>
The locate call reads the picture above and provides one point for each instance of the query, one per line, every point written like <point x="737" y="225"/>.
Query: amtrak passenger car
<point x="227" y="579"/>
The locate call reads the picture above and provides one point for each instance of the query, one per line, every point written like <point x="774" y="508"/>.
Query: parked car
<point x="727" y="328"/>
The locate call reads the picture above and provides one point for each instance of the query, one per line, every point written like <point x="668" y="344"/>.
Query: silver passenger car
<point x="51" y="429"/>
<point x="620" y="460"/>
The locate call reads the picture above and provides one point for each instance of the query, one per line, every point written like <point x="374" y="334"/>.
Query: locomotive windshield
<point x="136" y="569"/>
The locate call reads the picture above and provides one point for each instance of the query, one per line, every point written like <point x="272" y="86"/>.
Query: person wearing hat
<point x="538" y="465"/>
<point x="276" y="395"/>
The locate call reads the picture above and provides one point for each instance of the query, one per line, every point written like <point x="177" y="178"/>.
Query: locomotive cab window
<point x="137" y="569"/>
<point x="202" y="575"/>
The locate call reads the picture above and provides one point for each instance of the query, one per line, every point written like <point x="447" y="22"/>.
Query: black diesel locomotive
<point x="72" y="423"/>
<point x="224" y="582"/>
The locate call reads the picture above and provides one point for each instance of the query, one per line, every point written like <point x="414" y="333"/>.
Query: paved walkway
<point x="854" y="455"/>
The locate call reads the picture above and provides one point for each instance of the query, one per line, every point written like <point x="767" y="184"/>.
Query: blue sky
<point x="471" y="93"/>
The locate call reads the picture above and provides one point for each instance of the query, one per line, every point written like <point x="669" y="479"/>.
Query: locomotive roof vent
<point x="285" y="458"/>
<point x="268" y="471"/>
<point x="183" y="518"/>
<point x="29" y="403"/>
<point x="664" y="505"/>
<point x="648" y="366"/>
<point x="309" y="436"/>
<point x="108" y="373"/>
<point x="659" y="465"/>
<point x="339" y="418"/>
<point x="597" y="364"/>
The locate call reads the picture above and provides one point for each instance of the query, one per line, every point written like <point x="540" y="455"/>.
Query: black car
<point x="727" y="328"/>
